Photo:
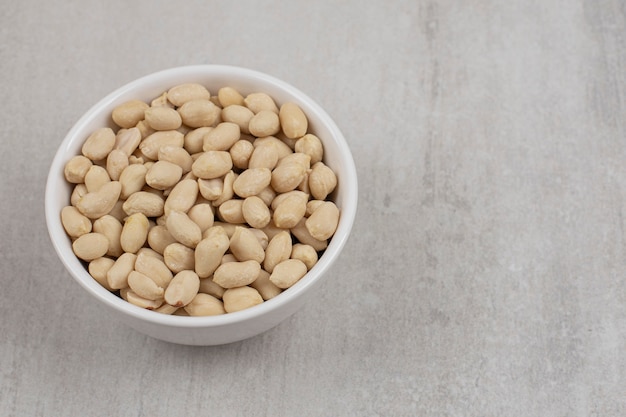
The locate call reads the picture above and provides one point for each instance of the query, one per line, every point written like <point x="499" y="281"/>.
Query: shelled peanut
<point x="195" y="204"/>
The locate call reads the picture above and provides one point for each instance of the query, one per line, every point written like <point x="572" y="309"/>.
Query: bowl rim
<point x="335" y="246"/>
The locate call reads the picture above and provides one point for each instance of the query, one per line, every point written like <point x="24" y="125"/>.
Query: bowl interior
<point x="336" y="155"/>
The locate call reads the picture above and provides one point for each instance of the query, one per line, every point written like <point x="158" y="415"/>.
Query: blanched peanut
<point x="95" y="178"/>
<point x="306" y="253"/>
<point x="239" y="115"/>
<point x="228" y="96"/>
<point x="159" y="238"/>
<point x="202" y="215"/>
<point x="117" y="161"/>
<point x="312" y="205"/>
<point x="301" y="233"/>
<point x="135" y="299"/>
<point x="304" y="185"/>
<point x="176" y="155"/>
<point x="231" y="211"/>
<point x="97" y="204"/>
<point x="148" y="203"/>
<point x="205" y="305"/>
<point x="194" y="139"/>
<point x="98" y="269"/>
<point x="99" y="144"/>
<point x="279" y="147"/>
<point x="117" y="276"/>
<point x="289" y="211"/>
<point x="134" y="232"/>
<point x="145" y="251"/>
<point x="128" y="140"/>
<point x="264" y="156"/>
<point x="229" y="229"/>
<point x="267" y="195"/>
<point x="162" y="118"/>
<point x="199" y="113"/>
<point x="76" y="169"/>
<point x="118" y="211"/>
<point x="153" y="267"/>
<point x="236" y="274"/>
<point x="227" y="191"/>
<point x="237" y="299"/>
<point x="128" y="114"/>
<point x="229" y="257"/>
<point x="182" y="289"/>
<point x="260" y="236"/>
<point x="183" y="229"/>
<point x="212" y="164"/>
<point x="278" y="250"/>
<point x="180" y="94"/>
<point x="161" y="101"/>
<point x="240" y="153"/>
<point x="264" y="123"/>
<point x="255" y="212"/>
<point x="90" y="246"/>
<point x="77" y="193"/>
<point x="74" y="223"/>
<point x="132" y="179"/>
<point x="322" y="181"/>
<point x="292" y="120"/>
<point x="211" y="189"/>
<point x="260" y="101"/>
<point x="272" y="230"/>
<point x="264" y="286"/>
<point x="222" y="137"/>
<point x="178" y="257"/>
<point x="245" y="246"/>
<point x="150" y="146"/>
<point x="288" y="174"/>
<point x="323" y="222"/>
<point x="182" y="197"/>
<point x="163" y="175"/>
<point x="165" y="308"/>
<point x="144" y="287"/>
<point x="287" y="273"/>
<point x="207" y="286"/>
<point x="310" y="145"/>
<point x="112" y="229"/>
<point x="210" y="250"/>
<point x="252" y="181"/>
<point x="282" y="197"/>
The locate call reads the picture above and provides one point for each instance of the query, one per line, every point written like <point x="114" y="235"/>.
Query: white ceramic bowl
<point x="230" y="327"/>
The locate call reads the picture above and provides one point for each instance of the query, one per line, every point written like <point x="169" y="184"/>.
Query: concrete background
<point x="485" y="274"/>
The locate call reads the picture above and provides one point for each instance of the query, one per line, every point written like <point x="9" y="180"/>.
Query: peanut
<point x="128" y="114"/>
<point x="144" y="287"/>
<point x="289" y="211"/>
<point x="96" y="204"/>
<point x="183" y="229"/>
<point x="182" y="197"/>
<point x="222" y="137"/>
<point x="182" y="289"/>
<point x="310" y="145"/>
<point x="212" y="164"/>
<point x="74" y="223"/>
<point x="240" y="153"/>
<point x="153" y="267"/>
<point x="159" y="238"/>
<point x="151" y="145"/>
<point x="322" y="181"/>
<point x="287" y="273"/>
<point x="237" y="299"/>
<point x="134" y="232"/>
<point x="265" y="287"/>
<point x="231" y="211"/>
<point x="90" y="246"/>
<point x="323" y="222"/>
<point x="293" y="120"/>
<point x="163" y="175"/>
<point x="228" y="96"/>
<point x="117" y="275"/>
<point x="255" y="212"/>
<point x="202" y="214"/>
<point x="306" y="253"/>
<point x="278" y="250"/>
<point x="236" y="274"/>
<point x="176" y="155"/>
<point x="245" y="246"/>
<point x="183" y="93"/>
<point x="178" y="257"/>
<point x="99" y="144"/>
<point x="76" y="169"/>
<point x="95" y="178"/>
<point x="205" y="305"/>
<point x="162" y="118"/>
<point x="194" y="139"/>
<point x="210" y="250"/>
<point x="207" y="286"/>
<point x="199" y="113"/>
<point x="128" y="140"/>
<point x="98" y="269"/>
<point x="110" y="227"/>
<point x="260" y="101"/>
<point x="117" y="161"/>
<point x="239" y="115"/>
<point x="211" y="189"/>
<point x="148" y="203"/>
<point x="264" y="123"/>
<point x="132" y="179"/>
<point x="252" y="181"/>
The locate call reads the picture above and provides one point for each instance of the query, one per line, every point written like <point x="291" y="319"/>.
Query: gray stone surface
<point x="485" y="275"/>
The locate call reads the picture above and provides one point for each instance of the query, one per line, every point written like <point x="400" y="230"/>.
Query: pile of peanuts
<point x="200" y="205"/>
